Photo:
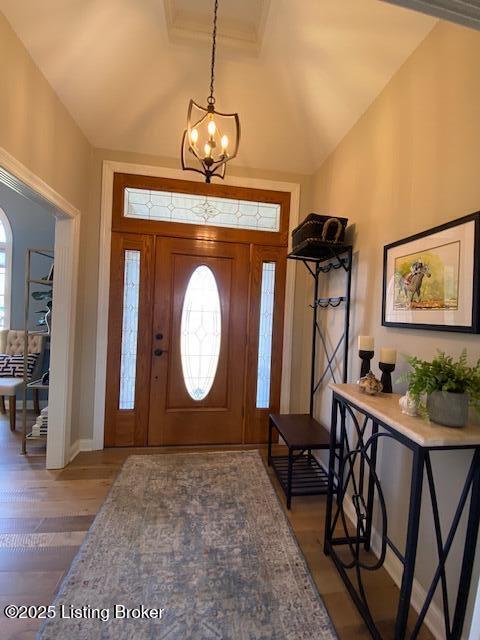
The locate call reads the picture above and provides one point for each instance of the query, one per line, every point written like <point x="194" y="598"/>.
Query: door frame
<point x="108" y="171"/>
<point x="14" y="174"/>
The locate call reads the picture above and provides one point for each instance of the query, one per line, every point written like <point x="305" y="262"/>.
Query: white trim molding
<point x="7" y="246"/>
<point x="80" y="445"/>
<point x="109" y="169"/>
<point x="67" y="234"/>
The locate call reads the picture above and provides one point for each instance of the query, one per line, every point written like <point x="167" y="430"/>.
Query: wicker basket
<point x="319" y="229"/>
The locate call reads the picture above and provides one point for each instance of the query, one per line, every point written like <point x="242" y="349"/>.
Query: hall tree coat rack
<point x="300" y="474"/>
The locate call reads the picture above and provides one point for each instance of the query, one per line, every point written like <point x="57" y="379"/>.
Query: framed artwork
<point x="431" y="279"/>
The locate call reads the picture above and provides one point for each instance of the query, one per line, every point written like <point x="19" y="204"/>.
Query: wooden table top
<point x="385" y="407"/>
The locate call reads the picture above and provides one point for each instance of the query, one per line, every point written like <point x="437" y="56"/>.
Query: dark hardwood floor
<point x="44" y="516"/>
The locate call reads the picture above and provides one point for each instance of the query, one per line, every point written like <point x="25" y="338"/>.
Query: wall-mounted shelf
<point x="30" y="436"/>
<point x="46" y="282"/>
<point x="37" y="384"/>
<point x="34" y="385"/>
<point x="318" y="251"/>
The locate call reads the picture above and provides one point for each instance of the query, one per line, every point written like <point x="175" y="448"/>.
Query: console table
<point x="359" y="421"/>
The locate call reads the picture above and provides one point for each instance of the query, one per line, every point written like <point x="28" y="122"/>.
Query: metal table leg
<point x="412" y="541"/>
<point x="269" y="455"/>
<point x="289" y="477"/>
<point x="331" y="473"/>
<point x="469" y="551"/>
<point x="371" y="488"/>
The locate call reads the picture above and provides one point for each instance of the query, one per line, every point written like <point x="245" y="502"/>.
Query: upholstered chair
<point x="12" y="342"/>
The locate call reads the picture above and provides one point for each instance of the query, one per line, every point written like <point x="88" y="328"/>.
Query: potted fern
<point x="450" y="387"/>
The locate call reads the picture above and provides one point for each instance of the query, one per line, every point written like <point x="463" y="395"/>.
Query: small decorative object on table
<point x="450" y="386"/>
<point x="366" y="352"/>
<point x="369" y="384"/>
<point x="408" y="405"/>
<point x="388" y="358"/>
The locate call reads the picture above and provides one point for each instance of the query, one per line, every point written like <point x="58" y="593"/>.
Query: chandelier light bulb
<point x="212" y="127"/>
<point x="208" y="150"/>
<point x="194" y="136"/>
<point x="224" y="143"/>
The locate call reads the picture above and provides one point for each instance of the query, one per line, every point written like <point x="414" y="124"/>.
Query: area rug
<point x="200" y="539"/>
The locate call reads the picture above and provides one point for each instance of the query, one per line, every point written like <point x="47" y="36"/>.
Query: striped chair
<point x="12" y="343"/>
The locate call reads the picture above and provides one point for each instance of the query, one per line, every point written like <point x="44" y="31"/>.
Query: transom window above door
<point x="168" y="206"/>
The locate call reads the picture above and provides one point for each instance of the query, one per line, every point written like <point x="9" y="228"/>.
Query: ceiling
<point x="299" y="72"/>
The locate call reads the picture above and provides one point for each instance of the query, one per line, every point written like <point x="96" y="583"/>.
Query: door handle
<point x="158" y="352"/>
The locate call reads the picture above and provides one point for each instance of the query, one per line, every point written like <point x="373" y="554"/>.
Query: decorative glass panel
<point x="265" y="331"/>
<point x="200" y="331"/>
<point x="187" y="208"/>
<point x="128" y="361"/>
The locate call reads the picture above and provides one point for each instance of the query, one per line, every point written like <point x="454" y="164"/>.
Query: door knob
<point x="158" y="352"/>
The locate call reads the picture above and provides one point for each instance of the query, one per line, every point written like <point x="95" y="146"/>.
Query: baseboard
<point x="82" y="444"/>
<point x="74" y="450"/>
<point x="393" y="566"/>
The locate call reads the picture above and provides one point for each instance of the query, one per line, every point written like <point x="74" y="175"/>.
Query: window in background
<point x="5" y="270"/>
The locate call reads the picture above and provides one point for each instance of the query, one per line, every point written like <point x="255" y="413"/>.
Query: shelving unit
<point x="301" y="474"/>
<point x="30" y="283"/>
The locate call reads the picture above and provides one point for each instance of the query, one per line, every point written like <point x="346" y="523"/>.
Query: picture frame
<point x="431" y="280"/>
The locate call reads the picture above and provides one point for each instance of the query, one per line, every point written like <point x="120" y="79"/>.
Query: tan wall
<point x="411" y="162"/>
<point x="89" y="259"/>
<point x="35" y="127"/>
<point x="37" y="130"/>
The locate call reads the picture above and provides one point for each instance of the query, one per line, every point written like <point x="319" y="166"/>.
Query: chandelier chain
<point x="211" y="99"/>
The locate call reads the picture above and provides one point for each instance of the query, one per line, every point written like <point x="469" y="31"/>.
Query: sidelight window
<point x="128" y="357"/>
<point x="265" y="334"/>
<point x="200" y="332"/>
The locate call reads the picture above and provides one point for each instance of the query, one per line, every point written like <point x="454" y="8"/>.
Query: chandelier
<point x="211" y="138"/>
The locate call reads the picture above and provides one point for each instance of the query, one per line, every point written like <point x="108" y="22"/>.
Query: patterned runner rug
<point x="199" y="542"/>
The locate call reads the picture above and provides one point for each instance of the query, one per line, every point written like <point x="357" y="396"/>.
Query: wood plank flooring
<point x="44" y="516"/>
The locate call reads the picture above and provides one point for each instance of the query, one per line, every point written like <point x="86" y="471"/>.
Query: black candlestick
<point x="366" y="356"/>
<point x="386" y="368"/>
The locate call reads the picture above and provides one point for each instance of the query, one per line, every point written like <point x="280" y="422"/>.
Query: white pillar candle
<point x="388" y="356"/>
<point x="366" y="343"/>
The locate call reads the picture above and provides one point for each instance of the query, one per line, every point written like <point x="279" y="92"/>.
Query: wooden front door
<point x="195" y="314"/>
<point x="199" y="351"/>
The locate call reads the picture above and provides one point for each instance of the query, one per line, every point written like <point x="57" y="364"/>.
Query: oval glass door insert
<point x="200" y="332"/>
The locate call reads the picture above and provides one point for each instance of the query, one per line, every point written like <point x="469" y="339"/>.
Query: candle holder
<point x="386" y="368"/>
<point x="365" y="356"/>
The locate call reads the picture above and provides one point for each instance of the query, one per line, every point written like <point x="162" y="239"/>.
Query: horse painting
<point x="411" y="284"/>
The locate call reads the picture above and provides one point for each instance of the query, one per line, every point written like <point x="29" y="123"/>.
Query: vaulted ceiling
<point x="299" y="72"/>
